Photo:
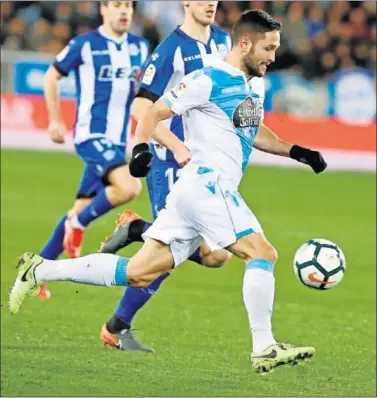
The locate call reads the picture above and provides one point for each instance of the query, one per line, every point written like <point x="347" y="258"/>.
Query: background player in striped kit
<point x="183" y="51"/>
<point x="106" y="63"/>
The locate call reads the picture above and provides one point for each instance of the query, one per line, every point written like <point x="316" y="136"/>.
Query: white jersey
<point x="221" y="116"/>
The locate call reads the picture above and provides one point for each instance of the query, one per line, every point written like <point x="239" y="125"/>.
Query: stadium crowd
<point x="319" y="37"/>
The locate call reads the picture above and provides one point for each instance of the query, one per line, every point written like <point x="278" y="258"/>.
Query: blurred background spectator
<point x="318" y="39"/>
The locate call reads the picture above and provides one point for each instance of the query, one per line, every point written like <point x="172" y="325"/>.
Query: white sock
<point x="76" y="223"/>
<point x="96" y="269"/>
<point x="258" y="296"/>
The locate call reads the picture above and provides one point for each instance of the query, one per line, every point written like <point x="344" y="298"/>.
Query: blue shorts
<point x="100" y="157"/>
<point x="160" y="180"/>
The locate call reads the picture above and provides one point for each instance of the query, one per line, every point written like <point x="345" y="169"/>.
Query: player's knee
<point x="264" y="250"/>
<point x="270" y="254"/>
<point x="125" y="187"/>
<point x="131" y="190"/>
<point x="136" y="279"/>
<point x="216" y="259"/>
<point x="128" y="191"/>
<point x="139" y="283"/>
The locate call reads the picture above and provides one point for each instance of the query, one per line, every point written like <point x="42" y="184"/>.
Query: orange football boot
<point x="73" y="238"/>
<point x="44" y="293"/>
<point x="124" y="340"/>
<point x="120" y="237"/>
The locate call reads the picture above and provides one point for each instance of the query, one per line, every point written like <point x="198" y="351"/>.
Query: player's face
<point x="118" y="15"/>
<point x="203" y="12"/>
<point x="262" y="54"/>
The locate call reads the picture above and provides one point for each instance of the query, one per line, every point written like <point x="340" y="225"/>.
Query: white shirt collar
<point x="102" y="33"/>
<point x="211" y="60"/>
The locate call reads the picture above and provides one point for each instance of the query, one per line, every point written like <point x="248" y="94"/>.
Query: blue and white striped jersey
<point x="105" y="73"/>
<point x="177" y="56"/>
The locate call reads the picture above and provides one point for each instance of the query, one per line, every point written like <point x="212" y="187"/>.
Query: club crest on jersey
<point x="248" y="113"/>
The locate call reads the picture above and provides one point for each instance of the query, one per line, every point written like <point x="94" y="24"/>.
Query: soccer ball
<point x="319" y="264"/>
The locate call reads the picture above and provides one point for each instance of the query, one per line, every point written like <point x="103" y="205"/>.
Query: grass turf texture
<point x="197" y="323"/>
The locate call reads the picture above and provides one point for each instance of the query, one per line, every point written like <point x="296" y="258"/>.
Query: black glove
<point x="312" y="158"/>
<point x="141" y="160"/>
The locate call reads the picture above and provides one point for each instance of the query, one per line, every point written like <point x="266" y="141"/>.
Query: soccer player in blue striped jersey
<point x="182" y="52"/>
<point x="106" y="63"/>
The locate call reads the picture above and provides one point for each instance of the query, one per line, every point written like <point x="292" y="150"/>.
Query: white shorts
<point x="202" y="207"/>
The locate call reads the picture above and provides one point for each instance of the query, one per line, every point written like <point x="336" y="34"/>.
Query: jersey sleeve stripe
<point x="59" y="69"/>
<point x="144" y="93"/>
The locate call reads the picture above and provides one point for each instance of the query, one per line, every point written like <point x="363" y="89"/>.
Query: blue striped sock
<point x="260" y="263"/>
<point x="99" y="206"/>
<point x="54" y="247"/>
<point x="120" y="278"/>
<point x="135" y="298"/>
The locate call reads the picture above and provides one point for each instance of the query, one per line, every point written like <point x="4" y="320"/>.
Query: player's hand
<point x="182" y="155"/>
<point x="140" y="161"/>
<point x="57" y="131"/>
<point x="312" y="158"/>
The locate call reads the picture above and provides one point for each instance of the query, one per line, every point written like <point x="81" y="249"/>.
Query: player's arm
<point x="192" y="92"/>
<point x="161" y="134"/>
<point x="68" y="59"/>
<point x="146" y="128"/>
<point x="153" y="83"/>
<point x="56" y="128"/>
<point x="267" y="141"/>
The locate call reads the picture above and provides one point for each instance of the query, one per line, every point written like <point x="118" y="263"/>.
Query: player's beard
<point x="252" y="66"/>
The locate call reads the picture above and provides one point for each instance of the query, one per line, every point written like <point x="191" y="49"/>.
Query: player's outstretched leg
<point x="95" y="269"/>
<point x="153" y="260"/>
<point x="258" y="295"/>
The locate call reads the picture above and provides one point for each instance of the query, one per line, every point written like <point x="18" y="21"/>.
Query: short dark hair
<point x="255" y="22"/>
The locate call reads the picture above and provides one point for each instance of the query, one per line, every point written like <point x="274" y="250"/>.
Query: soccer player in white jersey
<point x="222" y="115"/>
<point x="106" y="63"/>
<point x="182" y="52"/>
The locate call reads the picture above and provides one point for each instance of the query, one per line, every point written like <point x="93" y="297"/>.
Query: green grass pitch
<point x="196" y="323"/>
